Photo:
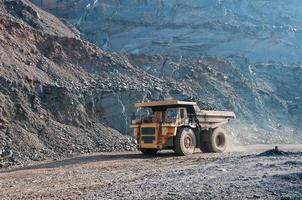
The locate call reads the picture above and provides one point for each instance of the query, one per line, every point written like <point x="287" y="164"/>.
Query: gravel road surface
<point x="244" y="173"/>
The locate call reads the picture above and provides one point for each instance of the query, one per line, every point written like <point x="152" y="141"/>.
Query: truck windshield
<point x="144" y="115"/>
<point x="170" y="115"/>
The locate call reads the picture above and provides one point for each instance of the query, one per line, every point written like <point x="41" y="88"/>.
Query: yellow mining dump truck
<point x="179" y="125"/>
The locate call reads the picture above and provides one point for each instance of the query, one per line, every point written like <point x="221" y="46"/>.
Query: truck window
<point x="170" y="115"/>
<point x="144" y="115"/>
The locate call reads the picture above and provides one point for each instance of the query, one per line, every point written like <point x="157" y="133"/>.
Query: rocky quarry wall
<point x="61" y="95"/>
<point x="238" y="55"/>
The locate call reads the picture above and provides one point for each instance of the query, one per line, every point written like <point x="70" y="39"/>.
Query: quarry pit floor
<point x="243" y="173"/>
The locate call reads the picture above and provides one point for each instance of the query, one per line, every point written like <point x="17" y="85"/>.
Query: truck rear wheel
<point x="213" y="141"/>
<point x="149" y="151"/>
<point x="184" y="142"/>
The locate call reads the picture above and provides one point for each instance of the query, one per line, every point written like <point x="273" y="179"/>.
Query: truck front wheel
<point x="213" y="141"/>
<point x="184" y="142"/>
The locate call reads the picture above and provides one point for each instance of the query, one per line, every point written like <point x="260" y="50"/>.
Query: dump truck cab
<point x="169" y="125"/>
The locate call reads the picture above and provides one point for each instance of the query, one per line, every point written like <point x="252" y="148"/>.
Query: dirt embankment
<point x="49" y="83"/>
<point x="60" y="95"/>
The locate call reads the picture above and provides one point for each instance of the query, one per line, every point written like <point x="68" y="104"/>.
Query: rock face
<point x="54" y="87"/>
<point x="61" y="95"/>
<point x="258" y="30"/>
<point x="228" y="54"/>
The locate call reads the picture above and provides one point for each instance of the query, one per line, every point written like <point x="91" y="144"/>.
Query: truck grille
<point x="148" y="139"/>
<point x="148" y="135"/>
<point x="148" y="131"/>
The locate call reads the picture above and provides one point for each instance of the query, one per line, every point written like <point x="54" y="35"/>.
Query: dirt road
<point x="241" y="174"/>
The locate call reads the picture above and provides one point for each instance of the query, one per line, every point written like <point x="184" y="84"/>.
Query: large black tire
<point x="184" y="142"/>
<point x="213" y="141"/>
<point x="149" y="151"/>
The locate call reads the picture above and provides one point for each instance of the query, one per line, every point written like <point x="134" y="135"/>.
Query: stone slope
<point x="53" y="87"/>
<point x="60" y="95"/>
<point x="267" y="109"/>
<point x="258" y="30"/>
<point x="239" y="55"/>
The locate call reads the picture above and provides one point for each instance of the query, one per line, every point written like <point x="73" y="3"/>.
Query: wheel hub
<point x="188" y="142"/>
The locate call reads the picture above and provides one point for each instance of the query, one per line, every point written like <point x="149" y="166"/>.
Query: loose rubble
<point x="130" y="175"/>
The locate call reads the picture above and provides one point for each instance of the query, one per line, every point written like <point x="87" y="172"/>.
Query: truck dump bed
<point x="206" y="118"/>
<point x="212" y="119"/>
